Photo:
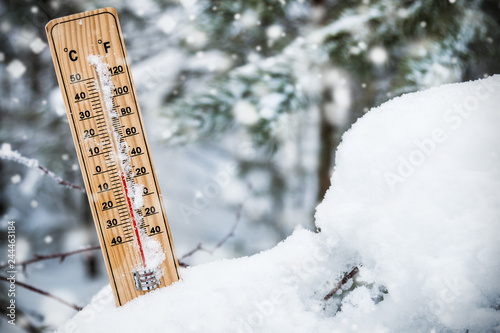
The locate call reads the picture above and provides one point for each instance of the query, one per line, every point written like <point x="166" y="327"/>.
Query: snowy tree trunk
<point x="328" y="142"/>
<point x="328" y="133"/>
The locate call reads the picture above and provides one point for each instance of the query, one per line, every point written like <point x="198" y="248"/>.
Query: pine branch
<point x="339" y="285"/>
<point x="42" y="292"/>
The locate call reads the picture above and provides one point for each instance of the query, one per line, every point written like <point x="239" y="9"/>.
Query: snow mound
<point x="416" y="195"/>
<point x="414" y="203"/>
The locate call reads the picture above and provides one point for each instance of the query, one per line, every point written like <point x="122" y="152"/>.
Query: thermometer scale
<point x="107" y="127"/>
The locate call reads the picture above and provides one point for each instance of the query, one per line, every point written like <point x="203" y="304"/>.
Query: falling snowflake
<point x="274" y="31"/>
<point x="167" y="23"/>
<point x="37" y="45"/>
<point x="16" y="69"/>
<point x="16" y="179"/>
<point x="249" y="18"/>
<point x="378" y="55"/>
<point x="267" y="113"/>
<point x="245" y="113"/>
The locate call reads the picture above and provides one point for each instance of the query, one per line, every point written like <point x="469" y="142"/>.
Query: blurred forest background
<point x="268" y="86"/>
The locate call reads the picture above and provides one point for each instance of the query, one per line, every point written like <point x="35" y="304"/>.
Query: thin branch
<point x="42" y="292"/>
<point x="11" y="155"/>
<point x="339" y="285"/>
<point x="230" y="234"/>
<point x="61" y="256"/>
<point x="199" y="247"/>
<point x="60" y="180"/>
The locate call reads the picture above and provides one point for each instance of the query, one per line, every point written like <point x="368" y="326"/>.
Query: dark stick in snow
<point x="34" y="289"/>
<point x="344" y="280"/>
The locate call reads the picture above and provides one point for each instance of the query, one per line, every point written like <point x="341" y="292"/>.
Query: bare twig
<point x="61" y="256"/>
<point x="199" y="247"/>
<point x="42" y="292"/>
<point x="11" y="155"/>
<point x="339" y="285"/>
<point x="182" y="264"/>
<point x="60" y="180"/>
<point x="230" y="234"/>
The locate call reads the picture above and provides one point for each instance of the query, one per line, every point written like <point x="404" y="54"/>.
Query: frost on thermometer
<point x="147" y="276"/>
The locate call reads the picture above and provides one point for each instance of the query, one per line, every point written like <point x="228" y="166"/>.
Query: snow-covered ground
<point x="414" y="203"/>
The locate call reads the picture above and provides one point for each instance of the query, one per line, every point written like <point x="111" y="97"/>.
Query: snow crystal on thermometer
<point x="152" y="249"/>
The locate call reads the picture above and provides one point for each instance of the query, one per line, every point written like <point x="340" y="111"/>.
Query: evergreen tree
<point x="339" y="57"/>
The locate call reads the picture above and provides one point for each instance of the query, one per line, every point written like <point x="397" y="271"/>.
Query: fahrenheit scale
<point x="107" y="127"/>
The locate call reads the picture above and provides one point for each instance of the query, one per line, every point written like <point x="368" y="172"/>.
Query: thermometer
<point x="107" y="127"/>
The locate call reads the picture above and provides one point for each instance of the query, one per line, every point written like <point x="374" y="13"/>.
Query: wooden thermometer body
<point x="113" y="151"/>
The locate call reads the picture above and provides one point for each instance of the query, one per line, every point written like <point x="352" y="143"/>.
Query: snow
<point x="7" y="153"/>
<point x="16" y="179"/>
<point x="188" y="3"/>
<point x="37" y="45"/>
<point x="196" y="38"/>
<point x="245" y="113"/>
<point x="167" y="23"/>
<point x="104" y="83"/>
<point x="337" y="82"/>
<point x="426" y="246"/>
<point x="153" y="252"/>
<point x="16" y="68"/>
<point x="249" y="18"/>
<point x="274" y="31"/>
<point x="211" y="61"/>
<point x="378" y="55"/>
<point x="424" y="235"/>
<point x="48" y="239"/>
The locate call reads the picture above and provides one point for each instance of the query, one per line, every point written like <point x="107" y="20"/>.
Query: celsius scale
<point x="107" y="127"/>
